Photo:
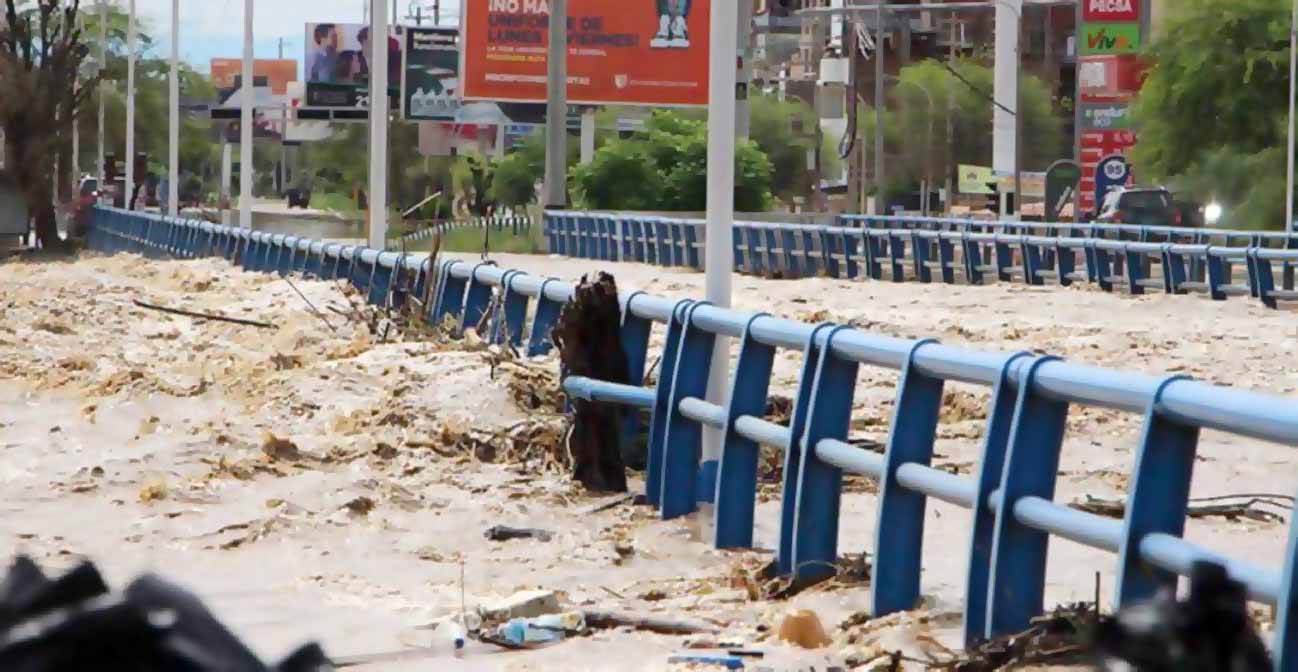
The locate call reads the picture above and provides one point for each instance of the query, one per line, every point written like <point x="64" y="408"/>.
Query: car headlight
<point x="1212" y="213"/>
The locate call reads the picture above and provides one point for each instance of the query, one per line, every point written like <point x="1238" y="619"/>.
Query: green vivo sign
<point x="1110" y="38"/>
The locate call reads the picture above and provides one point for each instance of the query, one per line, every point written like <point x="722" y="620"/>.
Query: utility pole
<point x="950" y="123"/>
<point x="130" y="107"/>
<point x="173" y="109"/>
<point x="247" y="94"/>
<point x="1293" y="71"/>
<point x="379" y="126"/>
<point x="76" y="122"/>
<point x="880" y="206"/>
<point x="103" y="87"/>
<point x="556" y="118"/>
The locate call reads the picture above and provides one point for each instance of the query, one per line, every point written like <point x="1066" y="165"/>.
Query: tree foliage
<point x="1211" y="114"/>
<point x="41" y="54"/>
<point x="665" y="168"/>
<point x="912" y="120"/>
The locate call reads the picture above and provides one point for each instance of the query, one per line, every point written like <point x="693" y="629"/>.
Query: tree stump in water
<point x="588" y="337"/>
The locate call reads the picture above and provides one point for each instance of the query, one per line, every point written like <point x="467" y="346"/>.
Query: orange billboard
<point x="278" y="72"/>
<point x="620" y="52"/>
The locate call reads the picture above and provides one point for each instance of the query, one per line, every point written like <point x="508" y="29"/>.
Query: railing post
<point x="736" y="494"/>
<point x="792" y="459"/>
<point x="662" y="403"/>
<point x="991" y="467"/>
<point x="1157" y="499"/>
<point x="900" y="526"/>
<point x="634" y="335"/>
<point x="1018" y="568"/>
<point x="920" y="257"/>
<point x="683" y="443"/>
<point x="508" y="327"/>
<point x="815" y="536"/>
<point x="450" y="294"/>
<point x="547" y="313"/>
<point x="477" y="301"/>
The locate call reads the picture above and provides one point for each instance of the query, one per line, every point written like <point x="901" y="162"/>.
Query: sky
<point x="214" y="28"/>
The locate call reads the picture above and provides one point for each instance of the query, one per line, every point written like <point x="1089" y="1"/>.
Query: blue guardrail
<point x="1012" y="515"/>
<point x="1133" y="259"/>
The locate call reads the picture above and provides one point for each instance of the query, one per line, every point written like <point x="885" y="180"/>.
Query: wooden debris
<point x="586" y="337"/>
<point x="604" y="620"/>
<point x="205" y="316"/>
<point x="1243" y="506"/>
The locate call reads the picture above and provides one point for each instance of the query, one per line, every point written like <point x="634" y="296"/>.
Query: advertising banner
<point x="620" y="52"/>
<point x="1111" y="38"/>
<point x="279" y="73"/>
<point x="430" y="85"/>
<point x="1102" y="11"/>
<point x="338" y="65"/>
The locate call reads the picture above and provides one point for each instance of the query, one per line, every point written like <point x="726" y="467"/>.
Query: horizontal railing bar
<point x="703" y="412"/>
<point x="598" y="390"/>
<point x="849" y="458"/>
<point x="1177" y="555"/>
<point x="939" y="484"/>
<point x="763" y="431"/>
<point x="1062" y="521"/>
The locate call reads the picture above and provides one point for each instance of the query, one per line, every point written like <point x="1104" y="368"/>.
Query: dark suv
<point x="1147" y="206"/>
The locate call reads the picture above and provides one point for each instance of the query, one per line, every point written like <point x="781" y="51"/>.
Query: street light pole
<point x="1293" y="72"/>
<point x="378" y="125"/>
<point x="245" y="124"/>
<point x="879" y="182"/>
<point x="719" y="253"/>
<point x="130" y="106"/>
<point x="173" y="145"/>
<point x="556" y="118"/>
<point x="103" y="87"/>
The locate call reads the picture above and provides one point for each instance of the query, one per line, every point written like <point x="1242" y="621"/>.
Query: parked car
<point x="1147" y="206"/>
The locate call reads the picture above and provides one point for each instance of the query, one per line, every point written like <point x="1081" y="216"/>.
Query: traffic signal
<point x="141" y="165"/>
<point x="110" y="167"/>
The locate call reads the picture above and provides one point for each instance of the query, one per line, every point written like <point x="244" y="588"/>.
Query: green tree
<point x="41" y="55"/>
<point x="1211" y="114"/>
<point x="915" y="125"/>
<point x="665" y="168"/>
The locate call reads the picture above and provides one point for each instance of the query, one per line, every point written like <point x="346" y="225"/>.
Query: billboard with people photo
<point x="337" y="64"/>
<point x="629" y="52"/>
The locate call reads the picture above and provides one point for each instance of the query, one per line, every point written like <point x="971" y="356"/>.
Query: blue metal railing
<point x="1134" y="259"/>
<point x="1009" y="498"/>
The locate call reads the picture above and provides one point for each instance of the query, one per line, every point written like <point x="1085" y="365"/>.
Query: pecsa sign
<point x="1109" y="11"/>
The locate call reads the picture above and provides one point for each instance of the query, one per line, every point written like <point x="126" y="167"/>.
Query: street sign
<point x="1062" y="179"/>
<point x="1112" y="172"/>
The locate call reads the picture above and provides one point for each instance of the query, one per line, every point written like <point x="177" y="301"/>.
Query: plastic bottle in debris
<point x="452" y="633"/>
<point x="542" y="629"/>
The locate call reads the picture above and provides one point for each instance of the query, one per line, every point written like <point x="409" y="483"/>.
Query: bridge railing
<point x="516" y="224"/>
<point x="1131" y="259"/>
<point x="1009" y="498"/>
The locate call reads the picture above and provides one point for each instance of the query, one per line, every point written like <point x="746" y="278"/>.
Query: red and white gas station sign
<point x="1110" y="11"/>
